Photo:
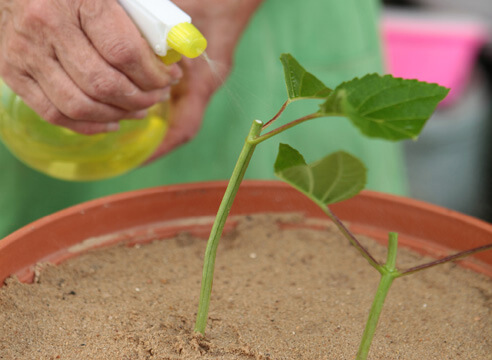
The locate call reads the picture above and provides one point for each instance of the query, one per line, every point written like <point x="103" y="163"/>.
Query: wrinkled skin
<point x="83" y="64"/>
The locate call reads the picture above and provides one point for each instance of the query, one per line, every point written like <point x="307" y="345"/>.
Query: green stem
<point x="388" y="274"/>
<point x="218" y="226"/>
<point x="372" y="321"/>
<point x="392" y="250"/>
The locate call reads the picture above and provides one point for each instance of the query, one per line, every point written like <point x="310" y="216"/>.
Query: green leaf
<point x="334" y="178"/>
<point x="384" y="106"/>
<point x="287" y="158"/>
<point x="300" y="83"/>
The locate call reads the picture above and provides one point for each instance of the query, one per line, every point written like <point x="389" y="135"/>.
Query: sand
<point x="288" y="294"/>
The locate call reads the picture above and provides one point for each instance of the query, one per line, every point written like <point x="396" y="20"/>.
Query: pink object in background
<point x="433" y="48"/>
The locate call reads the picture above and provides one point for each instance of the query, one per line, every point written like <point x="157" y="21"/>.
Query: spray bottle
<point x="65" y="154"/>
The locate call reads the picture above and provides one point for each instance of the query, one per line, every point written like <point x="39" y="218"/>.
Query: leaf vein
<point x="337" y="178"/>
<point x="372" y="111"/>
<point x="375" y="94"/>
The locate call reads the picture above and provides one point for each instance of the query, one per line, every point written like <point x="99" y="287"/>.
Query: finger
<point x="186" y="115"/>
<point x="91" y="128"/>
<point x="117" y="39"/>
<point x="188" y="102"/>
<point x="29" y="90"/>
<point x="68" y="98"/>
<point x="96" y="78"/>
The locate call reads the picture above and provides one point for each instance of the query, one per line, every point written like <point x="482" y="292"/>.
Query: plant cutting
<point x="380" y="107"/>
<point x="283" y="321"/>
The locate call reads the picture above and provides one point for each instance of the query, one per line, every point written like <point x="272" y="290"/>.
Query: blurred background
<point x="448" y="42"/>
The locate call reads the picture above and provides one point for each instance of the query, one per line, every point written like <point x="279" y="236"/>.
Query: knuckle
<point x="32" y="15"/>
<point x="37" y="17"/>
<point x="103" y="87"/>
<point x="91" y="8"/>
<point x="120" y="52"/>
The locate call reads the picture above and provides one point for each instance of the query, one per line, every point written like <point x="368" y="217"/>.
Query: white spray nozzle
<point x="165" y="26"/>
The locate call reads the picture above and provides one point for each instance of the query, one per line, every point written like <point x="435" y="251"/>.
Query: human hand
<point x="81" y="64"/>
<point x="222" y="23"/>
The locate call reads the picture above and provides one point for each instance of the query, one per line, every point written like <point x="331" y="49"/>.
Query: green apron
<point x="335" y="40"/>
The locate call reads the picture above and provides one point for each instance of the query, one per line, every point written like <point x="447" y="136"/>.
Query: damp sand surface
<point x="288" y="293"/>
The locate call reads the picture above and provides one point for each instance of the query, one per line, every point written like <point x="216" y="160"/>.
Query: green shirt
<point x="335" y="40"/>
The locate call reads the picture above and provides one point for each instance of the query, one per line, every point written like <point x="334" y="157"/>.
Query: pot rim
<point x="416" y="221"/>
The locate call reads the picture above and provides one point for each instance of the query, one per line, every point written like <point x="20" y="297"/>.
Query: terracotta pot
<point x="145" y="215"/>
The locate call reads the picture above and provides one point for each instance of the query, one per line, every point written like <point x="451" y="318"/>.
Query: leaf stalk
<point x="286" y="127"/>
<point x="351" y="237"/>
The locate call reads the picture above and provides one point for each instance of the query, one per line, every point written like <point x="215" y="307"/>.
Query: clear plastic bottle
<point x="65" y="154"/>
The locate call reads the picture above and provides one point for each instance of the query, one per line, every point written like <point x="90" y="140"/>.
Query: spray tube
<point x="67" y="155"/>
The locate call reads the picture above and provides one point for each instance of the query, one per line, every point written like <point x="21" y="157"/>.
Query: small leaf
<point x="300" y="83"/>
<point x="287" y="158"/>
<point x="384" y="106"/>
<point x="334" y="178"/>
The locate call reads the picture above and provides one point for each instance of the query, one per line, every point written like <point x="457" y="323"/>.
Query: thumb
<point x="185" y="119"/>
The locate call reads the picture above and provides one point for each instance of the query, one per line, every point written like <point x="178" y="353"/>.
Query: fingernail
<point x="112" y="126"/>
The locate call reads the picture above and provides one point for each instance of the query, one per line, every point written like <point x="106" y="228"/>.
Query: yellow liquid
<point x="64" y="154"/>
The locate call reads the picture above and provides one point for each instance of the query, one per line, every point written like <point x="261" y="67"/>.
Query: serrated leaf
<point x="384" y="106"/>
<point x="334" y="178"/>
<point x="300" y="83"/>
